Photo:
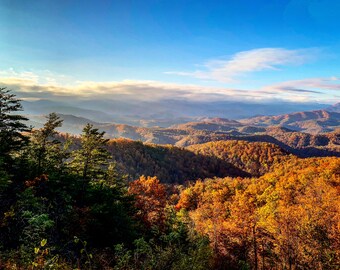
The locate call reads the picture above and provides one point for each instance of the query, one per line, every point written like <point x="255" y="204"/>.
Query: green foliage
<point x="174" y="247"/>
<point x="4" y="176"/>
<point x="46" y="153"/>
<point x="91" y="158"/>
<point x="110" y="211"/>
<point x="164" y="255"/>
<point x="12" y="127"/>
<point x="11" y="124"/>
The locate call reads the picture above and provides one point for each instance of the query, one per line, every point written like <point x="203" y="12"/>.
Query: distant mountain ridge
<point x="307" y="133"/>
<point x="210" y="124"/>
<point x="334" y="108"/>
<point x="310" y="121"/>
<point x="298" y="143"/>
<point x="164" y="113"/>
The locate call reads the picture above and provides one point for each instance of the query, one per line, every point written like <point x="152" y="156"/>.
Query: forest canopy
<point x="89" y="202"/>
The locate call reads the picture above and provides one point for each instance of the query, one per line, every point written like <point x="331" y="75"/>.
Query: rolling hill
<point x="170" y="164"/>
<point x="298" y="143"/>
<point x="256" y="158"/>
<point x="310" y="133"/>
<point x="313" y="122"/>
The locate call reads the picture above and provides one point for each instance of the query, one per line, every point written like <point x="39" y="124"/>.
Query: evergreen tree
<point x="45" y="148"/>
<point x="92" y="157"/>
<point x="12" y="138"/>
<point x="12" y="126"/>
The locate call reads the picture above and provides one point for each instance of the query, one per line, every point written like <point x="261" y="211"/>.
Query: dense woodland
<point x="88" y="202"/>
<point x="253" y="157"/>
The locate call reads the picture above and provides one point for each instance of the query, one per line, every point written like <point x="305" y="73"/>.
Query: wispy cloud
<point x="227" y="70"/>
<point x="318" y="89"/>
<point x="312" y="85"/>
<point x="42" y="77"/>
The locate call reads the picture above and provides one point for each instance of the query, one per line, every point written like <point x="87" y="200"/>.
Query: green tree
<point x="12" y="127"/>
<point x="90" y="160"/>
<point x="45" y="148"/>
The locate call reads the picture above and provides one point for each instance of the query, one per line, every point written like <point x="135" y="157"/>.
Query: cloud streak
<point x="311" y="85"/>
<point x="32" y="86"/>
<point x="228" y="70"/>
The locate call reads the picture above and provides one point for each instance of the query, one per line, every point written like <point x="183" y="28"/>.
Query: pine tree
<point x="92" y="157"/>
<point x="12" y="127"/>
<point x="45" y="149"/>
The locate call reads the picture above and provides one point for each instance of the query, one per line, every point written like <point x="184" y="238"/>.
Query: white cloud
<point x="310" y="84"/>
<point x="249" y="61"/>
<point x="33" y="86"/>
<point x="42" y="77"/>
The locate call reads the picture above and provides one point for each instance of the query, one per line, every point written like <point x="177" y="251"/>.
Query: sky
<point x="257" y="50"/>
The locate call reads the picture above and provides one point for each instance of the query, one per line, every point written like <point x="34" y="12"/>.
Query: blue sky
<point x="265" y="50"/>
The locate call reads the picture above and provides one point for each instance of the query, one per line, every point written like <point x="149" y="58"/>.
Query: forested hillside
<point x="170" y="164"/>
<point x="253" y="157"/>
<point x="88" y="202"/>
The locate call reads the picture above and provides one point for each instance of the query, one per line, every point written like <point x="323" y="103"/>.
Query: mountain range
<point x="313" y="122"/>
<point x="310" y="133"/>
<point x="164" y="113"/>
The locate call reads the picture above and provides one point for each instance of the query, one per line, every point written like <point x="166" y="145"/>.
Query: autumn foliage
<point x="150" y="200"/>
<point x="256" y="158"/>
<point x="94" y="203"/>
<point x="286" y="219"/>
